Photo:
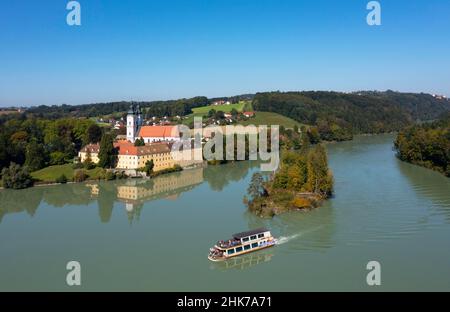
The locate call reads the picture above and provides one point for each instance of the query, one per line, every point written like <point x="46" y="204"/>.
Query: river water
<point x="155" y="235"/>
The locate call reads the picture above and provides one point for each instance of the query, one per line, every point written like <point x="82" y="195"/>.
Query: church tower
<point x="139" y="120"/>
<point x="131" y="124"/>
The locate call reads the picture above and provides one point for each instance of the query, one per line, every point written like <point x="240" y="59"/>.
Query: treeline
<point x="37" y="143"/>
<point x="426" y="145"/>
<point x="302" y="182"/>
<point x="27" y="145"/>
<point x="338" y="116"/>
<point x="179" y="107"/>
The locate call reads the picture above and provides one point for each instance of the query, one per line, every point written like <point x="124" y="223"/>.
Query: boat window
<point x="238" y="249"/>
<point x="246" y="247"/>
<point x="245" y="239"/>
<point x="230" y="251"/>
<point x="260" y="235"/>
<point x="254" y="245"/>
<point x="253" y="237"/>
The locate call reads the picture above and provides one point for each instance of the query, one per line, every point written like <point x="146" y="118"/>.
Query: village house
<point x="90" y="150"/>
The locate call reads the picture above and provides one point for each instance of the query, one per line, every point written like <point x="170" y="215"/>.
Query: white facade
<point x="159" y="139"/>
<point x="131" y="127"/>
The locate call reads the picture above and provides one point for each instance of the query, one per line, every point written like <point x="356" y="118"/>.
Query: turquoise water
<point x="155" y="236"/>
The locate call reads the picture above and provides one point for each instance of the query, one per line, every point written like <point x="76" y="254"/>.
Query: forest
<point x="338" y="116"/>
<point x="179" y="107"/>
<point x="426" y="144"/>
<point x="30" y="144"/>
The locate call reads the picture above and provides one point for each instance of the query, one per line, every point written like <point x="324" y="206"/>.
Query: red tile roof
<point x="127" y="148"/>
<point x="158" y="132"/>
<point x="91" y="148"/>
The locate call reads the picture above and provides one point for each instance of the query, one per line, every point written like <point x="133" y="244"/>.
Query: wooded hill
<point x="340" y="115"/>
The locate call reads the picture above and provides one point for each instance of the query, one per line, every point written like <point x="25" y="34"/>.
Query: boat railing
<point x="229" y="243"/>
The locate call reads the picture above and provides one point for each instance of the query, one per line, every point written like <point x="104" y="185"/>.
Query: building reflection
<point x="135" y="192"/>
<point x="245" y="261"/>
<point x="130" y="194"/>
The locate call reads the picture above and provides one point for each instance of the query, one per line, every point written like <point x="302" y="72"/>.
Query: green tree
<point x="88" y="164"/>
<point x="16" y="177"/>
<point x="149" y="165"/>
<point x="61" y="179"/>
<point x="35" y="156"/>
<point x="211" y="113"/>
<point x="79" y="175"/>
<point x="139" y="142"/>
<point x="108" y="154"/>
<point x="57" y="158"/>
<point x="256" y="188"/>
<point x="94" y="133"/>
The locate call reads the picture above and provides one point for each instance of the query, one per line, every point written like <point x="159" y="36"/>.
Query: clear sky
<point x="167" y="49"/>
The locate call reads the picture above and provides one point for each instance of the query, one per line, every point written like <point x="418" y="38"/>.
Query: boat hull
<point x="244" y="252"/>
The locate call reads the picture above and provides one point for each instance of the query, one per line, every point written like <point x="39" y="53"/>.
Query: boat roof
<point x="249" y="233"/>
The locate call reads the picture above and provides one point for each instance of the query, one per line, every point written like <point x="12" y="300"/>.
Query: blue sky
<point x="167" y="49"/>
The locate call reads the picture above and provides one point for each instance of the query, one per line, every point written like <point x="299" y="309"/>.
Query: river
<point x="155" y="235"/>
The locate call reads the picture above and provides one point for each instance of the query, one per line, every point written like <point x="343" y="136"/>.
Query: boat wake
<point x="284" y="239"/>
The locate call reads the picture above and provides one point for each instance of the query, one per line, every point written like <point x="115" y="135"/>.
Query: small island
<point x="302" y="182"/>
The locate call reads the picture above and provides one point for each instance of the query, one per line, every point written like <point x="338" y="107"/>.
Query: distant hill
<point x="179" y="107"/>
<point x="338" y="115"/>
<point x="351" y="113"/>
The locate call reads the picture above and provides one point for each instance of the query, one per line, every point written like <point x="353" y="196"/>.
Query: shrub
<point x="79" y="175"/>
<point x="88" y="165"/>
<point x="78" y="165"/>
<point x="61" y="179"/>
<point x="110" y="176"/>
<point x="121" y="175"/>
<point x="301" y="203"/>
<point x="57" y="158"/>
<point x="16" y="177"/>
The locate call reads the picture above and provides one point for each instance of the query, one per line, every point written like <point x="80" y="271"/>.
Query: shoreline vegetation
<point x="426" y="145"/>
<point x="40" y="137"/>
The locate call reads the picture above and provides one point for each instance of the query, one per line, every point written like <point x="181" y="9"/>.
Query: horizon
<point x="160" y="50"/>
<point x="226" y="96"/>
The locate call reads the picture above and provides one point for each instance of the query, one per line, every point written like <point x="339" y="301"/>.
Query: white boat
<point x="242" y="243"/>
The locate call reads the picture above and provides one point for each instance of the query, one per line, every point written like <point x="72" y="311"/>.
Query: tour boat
<point x="242" y="243"/>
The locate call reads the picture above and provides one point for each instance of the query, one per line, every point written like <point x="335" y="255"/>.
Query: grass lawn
<point x="269" y="118"/>
<point x="100" y="124"/>
<point x="50" y="174"/>
<point x="203" y="111"/>
<point x="224" y="108"/>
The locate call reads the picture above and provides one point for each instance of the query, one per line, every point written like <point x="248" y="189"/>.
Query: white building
<point x="150" y="134"/>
